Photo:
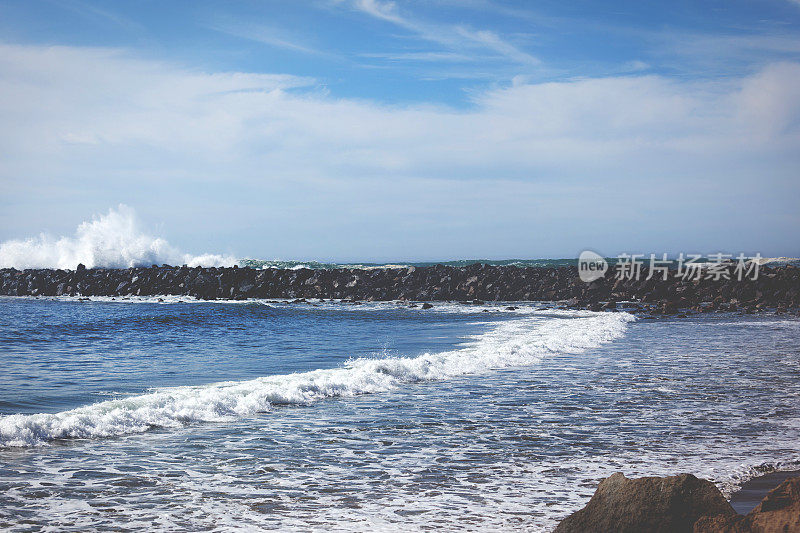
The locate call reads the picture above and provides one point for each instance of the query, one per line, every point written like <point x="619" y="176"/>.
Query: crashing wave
<point x="113" y="240"/>
<point x="514" y="343"/>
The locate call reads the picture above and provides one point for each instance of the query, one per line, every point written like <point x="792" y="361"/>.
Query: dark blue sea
<point x="140" y="414"/>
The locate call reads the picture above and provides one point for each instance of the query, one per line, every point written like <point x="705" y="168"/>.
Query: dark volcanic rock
<point x="649" y="504"/>
<point x="776" y="288"/>
<point x="778" y="512"/>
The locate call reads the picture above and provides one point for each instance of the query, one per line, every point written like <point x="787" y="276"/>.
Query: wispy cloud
<point x="88" y="10"/>
<point x="448" y="57"/>
<point x="455" y="37"/>
<point x="492" y="41"/>
<point x="711" y="44"/>
<point x="382" y="10"/>
<point x="269" y="36"/>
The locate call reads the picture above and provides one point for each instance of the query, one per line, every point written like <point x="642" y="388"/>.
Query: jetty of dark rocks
<point x="775" y="288"/>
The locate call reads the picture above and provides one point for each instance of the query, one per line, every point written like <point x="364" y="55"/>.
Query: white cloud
<point x="264" y="156"/>
<point x="59" y="95"/>
<point x="770" y="102"/>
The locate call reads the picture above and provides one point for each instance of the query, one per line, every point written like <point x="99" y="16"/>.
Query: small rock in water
<point x="426" y="305"/>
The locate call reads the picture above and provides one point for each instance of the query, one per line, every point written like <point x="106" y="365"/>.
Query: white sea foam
<point x="112" y="240"/>
<point x="517" y="342"/>
<point x="518" y="308"/>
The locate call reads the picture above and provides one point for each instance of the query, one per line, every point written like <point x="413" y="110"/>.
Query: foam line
<point x="512" y="343"/>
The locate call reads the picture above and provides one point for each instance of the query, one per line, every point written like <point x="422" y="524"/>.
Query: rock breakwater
<point x="775" y="288"/>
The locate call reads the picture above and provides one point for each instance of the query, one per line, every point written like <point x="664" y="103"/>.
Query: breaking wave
<point x="112" y="240"/>
<point x="517" y="342"/>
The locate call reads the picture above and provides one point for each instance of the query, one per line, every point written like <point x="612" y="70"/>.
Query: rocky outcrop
<point x="681" y="504"/>
<point x="776" y="288"/>
<point x="649" y="504"/>
<point x="778" y="512"/>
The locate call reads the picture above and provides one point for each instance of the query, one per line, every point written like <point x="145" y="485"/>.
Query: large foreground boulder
<point x="649" y="504"/>
<point x="778" y="512"/>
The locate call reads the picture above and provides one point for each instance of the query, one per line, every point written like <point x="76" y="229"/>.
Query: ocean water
<point x="215" y="416"/>
<point x="534" y="263"/>
<point x="320" y="265"/>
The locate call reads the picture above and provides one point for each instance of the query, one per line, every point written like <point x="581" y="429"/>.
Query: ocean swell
<point x="517" y="342"/>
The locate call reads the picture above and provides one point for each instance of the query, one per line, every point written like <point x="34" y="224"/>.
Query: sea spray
<point x="517" y="342"/>
<point x="112" y="240"/>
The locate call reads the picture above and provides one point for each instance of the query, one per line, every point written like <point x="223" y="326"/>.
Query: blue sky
<point x="374" y="130"/>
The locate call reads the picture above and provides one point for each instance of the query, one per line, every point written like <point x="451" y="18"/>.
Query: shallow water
<point x="348" y="417"/>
